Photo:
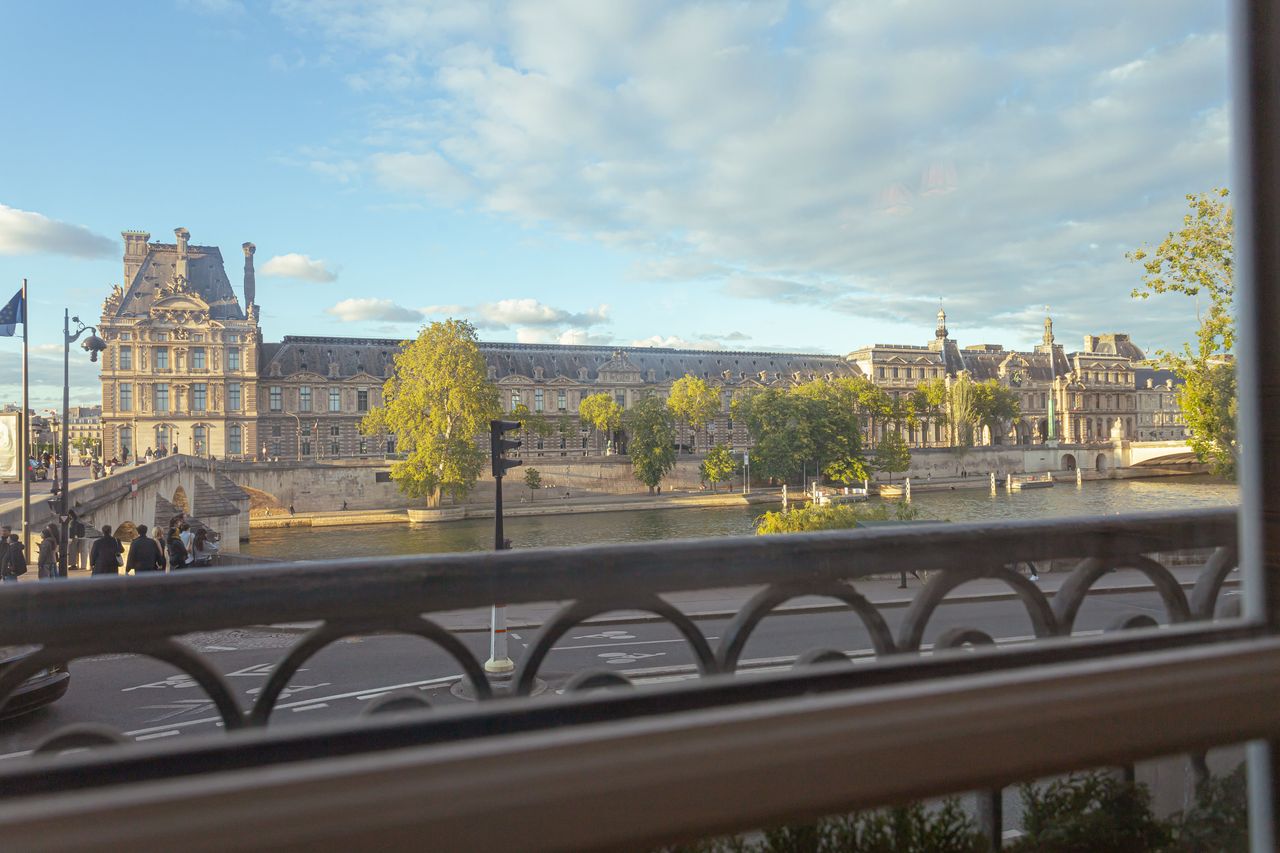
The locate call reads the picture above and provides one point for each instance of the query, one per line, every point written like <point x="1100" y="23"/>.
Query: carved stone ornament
<point x="112" y="303"/>
<point x="177" y="284"/>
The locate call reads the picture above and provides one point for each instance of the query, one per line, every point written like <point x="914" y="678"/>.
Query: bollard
<point x="499" y="662"/>
<point x="1008" y="484"/>
<point x="906" y="493"/>
<point x="1079" y="476"/>
<point x="993" y="482"/>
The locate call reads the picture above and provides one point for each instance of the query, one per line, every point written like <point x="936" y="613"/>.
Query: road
<point x="148" y="700"/>
<point x="40" y="488"/>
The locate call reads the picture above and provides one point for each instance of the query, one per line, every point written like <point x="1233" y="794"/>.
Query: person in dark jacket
<point x="104" y="557"/>
<point x="145" y="554"/>
<point x="47" y="555"/>
<point x="4" y="553"/>
<point x="178" y="558"/>
<point x="15" y="560"/>
<point x="160" y="546"/>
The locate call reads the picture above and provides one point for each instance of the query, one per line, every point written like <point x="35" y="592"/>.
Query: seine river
<point x="1104" y="497"/>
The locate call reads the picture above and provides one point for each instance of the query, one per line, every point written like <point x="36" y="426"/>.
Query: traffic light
<point x="498" y="446"/>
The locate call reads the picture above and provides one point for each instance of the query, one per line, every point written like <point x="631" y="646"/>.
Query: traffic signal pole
<point x="499" y="662"/>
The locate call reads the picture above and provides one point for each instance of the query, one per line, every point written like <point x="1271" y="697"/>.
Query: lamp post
<point x="92" y="345"/>
<point x="298" y="442"/>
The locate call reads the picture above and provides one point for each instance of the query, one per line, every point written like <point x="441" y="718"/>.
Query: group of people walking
<point x="178" y="548"/>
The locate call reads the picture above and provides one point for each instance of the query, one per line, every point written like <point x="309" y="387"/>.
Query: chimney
<point x="180" y="268"/>
<point x="135" y="252"/>
<point x="250" y="284"/>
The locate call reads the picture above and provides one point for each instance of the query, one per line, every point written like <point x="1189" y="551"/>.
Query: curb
<point x="714" y="615"/>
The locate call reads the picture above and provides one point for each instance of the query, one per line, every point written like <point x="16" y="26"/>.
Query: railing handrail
<point x="362" y="588"/>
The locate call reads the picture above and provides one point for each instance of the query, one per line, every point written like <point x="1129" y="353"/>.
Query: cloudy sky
<point x="806" y="175"/>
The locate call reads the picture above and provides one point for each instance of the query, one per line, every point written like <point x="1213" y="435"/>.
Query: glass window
<point x="537" y="400"/>
<point x="233" y="358"/>
<point x="199" y="396"/>
<point x="276" y="398"/>
<point x="560" y="401"/>
<point x="391" y="444"/>
<point x="306" y="447"/>
<point x="126" y="397"/>
<point x="198" y="435"/>
<point x="304" y="398"/>
<point x="162" y="397"/>
<point x="335" y="399"/>
<point x="162" y="358"/>
<point x="197" y="358"/>
<point x="231" y="339"/>
<point x="275" y="431"/>
<point x="164" y="437"/>
<point x="620" y="399"/>
<point x="515" y="400"/>
<point x="233" y="396"/>
<point x="362" y="400"/>
<point x="126" y="336"/>
<point x="333" y="447"/>
<point x="126" y="441"/>
<point x="125" y="355"/>
<point x="234" y="439"/>
<point x="364" y="446"/>
<point x="161" y="336"/>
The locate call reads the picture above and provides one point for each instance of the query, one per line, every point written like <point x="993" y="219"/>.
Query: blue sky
<point x="810" y="175"/>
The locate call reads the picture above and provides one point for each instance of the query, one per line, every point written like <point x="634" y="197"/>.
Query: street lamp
<point x="92" y="345"/>
<point x="298" y="436"/>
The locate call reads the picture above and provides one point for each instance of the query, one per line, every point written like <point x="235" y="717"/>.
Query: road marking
<point x="515" y="635"/>
<point x="312" y="701"/>
<point x="311" y="707"/>
<point x="615" y="645"/>
<point x="623" y="657"/>
<point x="220" y="649"/>
<point x="607" y="635"/>
<point x="169" y="733"/>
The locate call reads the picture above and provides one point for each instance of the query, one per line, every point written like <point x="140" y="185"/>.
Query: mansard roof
<point x="577" y="363"/>
<point x="206" y="277"/>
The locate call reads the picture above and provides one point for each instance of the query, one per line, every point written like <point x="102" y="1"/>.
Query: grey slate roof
<point x="206" y="276"/>
<point x="296" y="354"/>
<point x="1158" y="377"/>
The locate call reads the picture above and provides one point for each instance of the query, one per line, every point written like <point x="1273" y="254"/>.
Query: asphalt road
<point x="148" y="700"/>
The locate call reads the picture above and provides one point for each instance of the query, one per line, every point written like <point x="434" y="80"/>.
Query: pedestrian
<point x="186" y="535"/>
<point x="344" y="506"/>
<point x="145" y="554"/>
<point x="75" y="544"/>
<point x="204" y="548"/>
<point x="15" y="560"/>
<point x="1032" y="574"/>
<point x="164" y="560"/>
<point x="290" y="509"/>
<point x="104" y="556"/>
<point x="47" y="555"/>
<point x="5" y="532"/>
<point x="178" y="556"/>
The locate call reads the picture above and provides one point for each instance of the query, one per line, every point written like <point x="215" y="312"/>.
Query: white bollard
<point x="1079" y="476"/>
<point x="993" y="482"/>
<point x="906" y="494"/>
<point x="498" y="661"/>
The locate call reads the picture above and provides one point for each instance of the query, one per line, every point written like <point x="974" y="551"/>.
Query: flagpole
<point x="26" y="430"/>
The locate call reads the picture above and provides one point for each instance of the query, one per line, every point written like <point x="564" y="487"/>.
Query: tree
<point x="718" y="466"/>
<point x="834" y="423"/>
<point x="1200" y="260"/>
<point x="892" y="454"/>
<point x="532" y="479"/>
<point x="962" y="412"/>
<point x="601" y="412"/>
<point x="929" y="401"/>
<point x="993" y="406"/>
<point x="779" y="432"/>
<point x="436" y="402"/>
<point x="694" y="402"/>
<point x="652" y="441"/>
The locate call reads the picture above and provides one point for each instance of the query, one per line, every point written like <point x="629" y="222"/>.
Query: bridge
<point x="1151" y="454"/>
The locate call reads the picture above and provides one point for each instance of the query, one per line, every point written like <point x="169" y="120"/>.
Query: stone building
<point x="180" y="371"/>
<point x="84" y="427"/>
<point x="1159" y="416"/>
<point x="186" y="368"/>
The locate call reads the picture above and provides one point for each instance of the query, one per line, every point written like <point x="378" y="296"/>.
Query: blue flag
<point x="11" y="316"/>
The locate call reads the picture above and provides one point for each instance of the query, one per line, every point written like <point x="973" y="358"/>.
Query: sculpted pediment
<point x="515" y="379"/>
<point x="564" y="380"/>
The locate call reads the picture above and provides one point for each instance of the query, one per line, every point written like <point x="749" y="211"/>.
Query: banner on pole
<point x="10" y="446"/>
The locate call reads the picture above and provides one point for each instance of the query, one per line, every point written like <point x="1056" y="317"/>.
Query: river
<point x="1104" y="497"/>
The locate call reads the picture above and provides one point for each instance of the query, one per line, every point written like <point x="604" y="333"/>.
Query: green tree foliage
<point x="929" y="403"/>
<point x="995" y="406"/>
<point x="892" y="454"/>
<point x="651" y="442"/>
<point x="694" y="401"/>
<point x="818" y="423"/>
<point x="534" y="424"/>
<point x="1199" y="261"/>
<point x="833" y="517"/>
<point x="532" y="479"/>
<point x="601" y="412"/>
<point x="436" y="402"/>
<point x="718" y="466"/>
<point x="962" y="412"/>
<point x="1092" y="811"/>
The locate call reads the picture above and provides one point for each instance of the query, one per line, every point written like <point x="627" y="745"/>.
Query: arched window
<point x="164" y="437"/>
<point x="199" y="439"/>
<point x="235" y="440"/>
<point x="126" y="443"/>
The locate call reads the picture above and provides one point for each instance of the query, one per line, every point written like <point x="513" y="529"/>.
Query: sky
<point x="811" y="176"/>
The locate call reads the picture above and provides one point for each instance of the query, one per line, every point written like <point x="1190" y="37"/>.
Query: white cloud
<point x="530" y="312"/>
<point x="23" y="232"/>
<point x="369" y="309"/>
<point x="849" y="154"/>
<point x="298" y="266"/>
<point x="677" y="342"/>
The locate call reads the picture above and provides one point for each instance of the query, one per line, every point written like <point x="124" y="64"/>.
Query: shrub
<point x="1087" y="813"/>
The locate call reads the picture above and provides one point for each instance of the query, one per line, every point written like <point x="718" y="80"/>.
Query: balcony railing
<point x="929" y="718"/>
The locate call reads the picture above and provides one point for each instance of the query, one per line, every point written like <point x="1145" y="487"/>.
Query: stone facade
<point x="186" y="368"/>
<point x="1159" y="417"/>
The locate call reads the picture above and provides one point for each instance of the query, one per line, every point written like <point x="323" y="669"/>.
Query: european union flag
<point x="11" y="315"/>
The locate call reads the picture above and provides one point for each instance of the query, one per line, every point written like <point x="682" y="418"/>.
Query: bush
<point x="1219" y="820"/>
<point x="1089" y="813"/>
<point x="832" y="517"/>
